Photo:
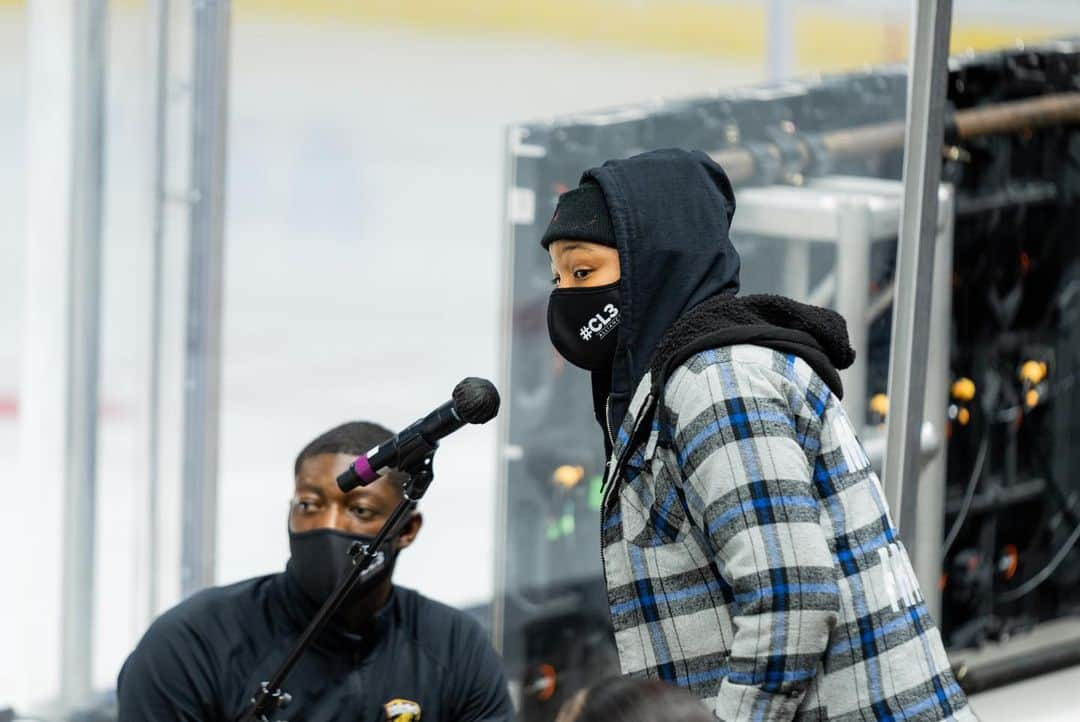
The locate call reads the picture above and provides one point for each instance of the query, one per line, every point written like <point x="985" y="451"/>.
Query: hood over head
<point x="670" y="210"/>
<point x="671" y="214"/>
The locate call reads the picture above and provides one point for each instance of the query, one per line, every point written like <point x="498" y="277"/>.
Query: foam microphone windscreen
<point x="476" y="400"/>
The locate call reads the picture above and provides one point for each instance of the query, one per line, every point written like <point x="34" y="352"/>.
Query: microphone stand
<point x="271" y="696"/>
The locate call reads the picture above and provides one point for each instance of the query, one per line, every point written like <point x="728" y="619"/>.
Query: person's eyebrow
<point x="362" y="495"/>
<point x="302" y="485"/>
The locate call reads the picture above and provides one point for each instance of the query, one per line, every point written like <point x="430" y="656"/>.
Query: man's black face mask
<point x="584" y="325"/>
<point x="320" y="561"/>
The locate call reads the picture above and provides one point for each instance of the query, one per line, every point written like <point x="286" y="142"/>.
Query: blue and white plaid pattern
<point x="750" y="557"/>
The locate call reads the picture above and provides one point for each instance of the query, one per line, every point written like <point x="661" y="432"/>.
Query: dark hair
<point x="625" y="699"/>
<point x="353" y="437"/>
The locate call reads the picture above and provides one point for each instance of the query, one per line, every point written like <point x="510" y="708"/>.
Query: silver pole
<point x="927" y="76"/>
<point x="83" y="339"/>
<point x="930" y="529"/>
<point x="206" y="226"/>
<point x="781" y="39"/>
<point x="160" y="29"/>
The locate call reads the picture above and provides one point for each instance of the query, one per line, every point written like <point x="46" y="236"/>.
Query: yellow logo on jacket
<point x="402" y="710"/>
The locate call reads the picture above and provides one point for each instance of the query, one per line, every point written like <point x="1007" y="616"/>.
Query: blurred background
<point x="374" y="187"/>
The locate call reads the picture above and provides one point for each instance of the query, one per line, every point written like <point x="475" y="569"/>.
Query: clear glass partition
<point x="817" y="169"/>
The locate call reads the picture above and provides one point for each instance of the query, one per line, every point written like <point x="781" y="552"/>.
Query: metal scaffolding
<point x="206" y="227"/>
<point x="61" y="353"/>
<point x="84" y="346"/>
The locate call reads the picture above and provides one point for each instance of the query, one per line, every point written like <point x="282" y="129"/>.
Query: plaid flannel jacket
<point x="750" y="557"/>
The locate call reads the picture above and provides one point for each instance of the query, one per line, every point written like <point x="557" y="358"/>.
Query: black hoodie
<point x="671" y="211"/>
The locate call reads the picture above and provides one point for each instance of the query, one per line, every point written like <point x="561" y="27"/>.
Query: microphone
<point x="474" y="401"/>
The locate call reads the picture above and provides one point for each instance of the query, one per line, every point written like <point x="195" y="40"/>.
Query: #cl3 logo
<point x="601" y="324"/>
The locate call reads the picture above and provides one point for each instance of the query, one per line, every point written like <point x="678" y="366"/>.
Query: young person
<point x="748" y="551"/>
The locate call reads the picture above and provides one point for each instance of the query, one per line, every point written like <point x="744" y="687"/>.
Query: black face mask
<point x="320" y="561"/>
<point x="584" y="324"/>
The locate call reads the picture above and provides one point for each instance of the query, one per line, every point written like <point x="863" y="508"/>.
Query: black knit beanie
<point x="581" y="215"/>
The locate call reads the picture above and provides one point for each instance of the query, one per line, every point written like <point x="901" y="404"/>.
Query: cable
<point x="1043" y="574"/>
<point x="1059" y="387"/>
<point x="1031" y="584"/>
<point x="969" y="494"/>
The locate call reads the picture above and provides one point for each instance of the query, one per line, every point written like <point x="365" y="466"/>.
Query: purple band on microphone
<point x="363" y="469"/>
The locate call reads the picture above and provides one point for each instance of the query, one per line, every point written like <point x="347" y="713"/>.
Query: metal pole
<point x="502" y="512"/>
<point x="202" y="374"/>
<point x="781" y="42"/>
<point x="150" y="555"/>
<point x="927" y="76"/>
<point x="83" y="339"/>
<point x="930" y="530"/>
<point x="1006" y="117"/>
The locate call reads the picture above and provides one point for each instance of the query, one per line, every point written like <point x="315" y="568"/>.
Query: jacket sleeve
<point x="741" y="443"/>
<point x="168" y="676"/>
<point x="484" y="692"/>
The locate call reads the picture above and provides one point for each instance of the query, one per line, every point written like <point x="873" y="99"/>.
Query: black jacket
<point x="203" y="660"/>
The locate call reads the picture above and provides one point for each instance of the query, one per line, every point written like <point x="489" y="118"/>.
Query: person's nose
<point x="339" y="518"/>
<point x="335" y="518"/>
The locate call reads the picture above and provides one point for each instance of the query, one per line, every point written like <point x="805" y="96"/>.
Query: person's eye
<point x="554" y="280"/>
<point x="362" y="512"/>
<point x="582" y="273"/>
<point x="304" y="506"/>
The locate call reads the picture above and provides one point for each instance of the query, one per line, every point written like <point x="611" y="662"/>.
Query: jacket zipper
<point x="612" y="471"/>
<point x="607" y="424"/>
<point x="604" y="496"/>
<point x="615" y="463"/>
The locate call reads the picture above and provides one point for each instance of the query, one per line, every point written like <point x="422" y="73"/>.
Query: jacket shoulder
<point x="732" y="364"/>
<point x="439" y="627"/>
<point x="742" y="372"/>
<point x="208" y="615"/>
<point x="744" y="359"/>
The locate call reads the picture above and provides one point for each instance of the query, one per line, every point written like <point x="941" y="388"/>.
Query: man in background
<point x="388" y="653"/>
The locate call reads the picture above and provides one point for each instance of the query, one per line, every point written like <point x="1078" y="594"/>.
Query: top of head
<point x="476" y="400"/>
